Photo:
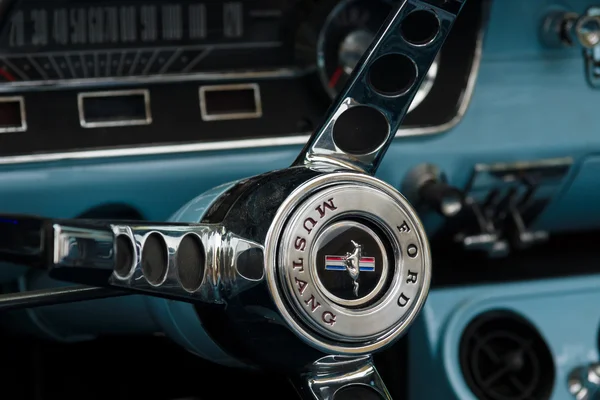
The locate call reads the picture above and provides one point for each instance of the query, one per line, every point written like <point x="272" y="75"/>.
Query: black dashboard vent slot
<point x="503" y="357"/>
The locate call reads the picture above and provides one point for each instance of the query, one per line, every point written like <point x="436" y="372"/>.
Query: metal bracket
<point x="504" y="200"/>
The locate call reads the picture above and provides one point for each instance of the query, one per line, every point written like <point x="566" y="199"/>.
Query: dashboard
<point x="120" y="76"/>
<point x="129" y="109"/>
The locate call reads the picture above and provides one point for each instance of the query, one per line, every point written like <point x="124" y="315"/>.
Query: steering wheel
<point x="309" y="269"/>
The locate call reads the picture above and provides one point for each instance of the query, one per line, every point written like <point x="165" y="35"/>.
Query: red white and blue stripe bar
<point x="336" y="263"/>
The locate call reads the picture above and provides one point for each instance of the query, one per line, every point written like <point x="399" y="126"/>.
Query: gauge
<point x="58" y="42"/>
<point x="344" y="35"/>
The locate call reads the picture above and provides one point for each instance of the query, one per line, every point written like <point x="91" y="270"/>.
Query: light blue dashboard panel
<point x="577" y="200"/>
<point x="564" y="311"/>
<point x="529" y="103"/>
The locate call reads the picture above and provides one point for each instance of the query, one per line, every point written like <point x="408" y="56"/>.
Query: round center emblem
<point x="347" y="263"/>
<point x="351" y="263"/>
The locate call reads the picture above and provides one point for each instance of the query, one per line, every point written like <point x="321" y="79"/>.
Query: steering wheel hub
<point x="348" y="262"/>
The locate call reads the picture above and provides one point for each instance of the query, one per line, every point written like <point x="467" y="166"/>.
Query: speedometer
<point x="54" y="42"/>
<point x="338" y="37"/>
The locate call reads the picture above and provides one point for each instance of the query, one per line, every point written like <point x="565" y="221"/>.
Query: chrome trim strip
<point x="154" y="150"/>
<point x="44" y="297"/>
<point x="299" y="139"/>
<point x="22" y="114"/>
<point x="257" y="113"/>
<point x="147" y="120"/>
<point x="277" y="73"/>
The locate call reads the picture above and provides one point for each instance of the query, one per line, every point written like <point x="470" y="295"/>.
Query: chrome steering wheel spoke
<point x="363" y="120"/>
<point x="341" y="378"/>
<point x="178" y="261"/>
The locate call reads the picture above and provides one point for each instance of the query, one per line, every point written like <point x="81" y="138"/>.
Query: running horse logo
<point x="353" y="262"/>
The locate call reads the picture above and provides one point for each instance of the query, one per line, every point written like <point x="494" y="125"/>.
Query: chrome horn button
<point x="348" y="263"/>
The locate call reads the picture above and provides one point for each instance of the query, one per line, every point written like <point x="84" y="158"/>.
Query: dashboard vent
<point x="503" y="357"/>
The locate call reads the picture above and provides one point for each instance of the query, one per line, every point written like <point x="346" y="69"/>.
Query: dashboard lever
<point x="446" y="200"/>
<point x="425" y="185"/>
<point x="504" y="199"/>
<point x="487" y="237"/>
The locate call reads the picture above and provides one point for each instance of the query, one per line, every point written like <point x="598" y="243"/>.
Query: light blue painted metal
<point x="578" y="200"/>
<point x="565" y="312"/>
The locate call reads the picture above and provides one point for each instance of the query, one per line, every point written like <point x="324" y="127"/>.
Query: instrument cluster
<point x="89" y="78"/>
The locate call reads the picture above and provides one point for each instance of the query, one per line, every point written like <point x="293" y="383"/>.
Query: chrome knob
<point x="567" y="29"/>
<point x="425" y="185"/>
<point x="584" y="382"/>
<point x="587" y="30"/>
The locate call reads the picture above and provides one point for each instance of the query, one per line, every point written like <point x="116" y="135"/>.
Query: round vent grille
<point x="503" y="357"/>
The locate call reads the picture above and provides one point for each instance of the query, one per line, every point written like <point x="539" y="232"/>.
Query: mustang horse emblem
<point x="353" y="262"/>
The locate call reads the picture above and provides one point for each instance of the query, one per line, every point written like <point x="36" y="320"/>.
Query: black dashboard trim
<point x="298" y="139"/>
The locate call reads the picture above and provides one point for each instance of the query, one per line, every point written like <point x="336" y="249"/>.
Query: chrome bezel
<point x="82" y="96"/>
<point x="344" y="338"/>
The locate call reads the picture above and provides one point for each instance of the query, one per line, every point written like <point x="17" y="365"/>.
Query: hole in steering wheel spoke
<point x="392" y="75"/>
<point x="155" y="259"/>
<point x="125" y="256"/>
<point x="190" y="260"/>
<point x="420" y="28"/>
<point x="360" y="130"/>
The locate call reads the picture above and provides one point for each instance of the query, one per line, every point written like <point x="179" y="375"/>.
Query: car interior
<point x="300" y="199"/>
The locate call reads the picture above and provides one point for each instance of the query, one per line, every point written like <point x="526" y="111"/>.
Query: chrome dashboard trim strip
<point x="155" y="150"/>
<point x="44" y="297"/>
<point x="206" y="116"/>
<point x="299" y="139"/>
<point x="276" y="73"/>
<point x="22" y="114"/>
<point x="147" y="120"/>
